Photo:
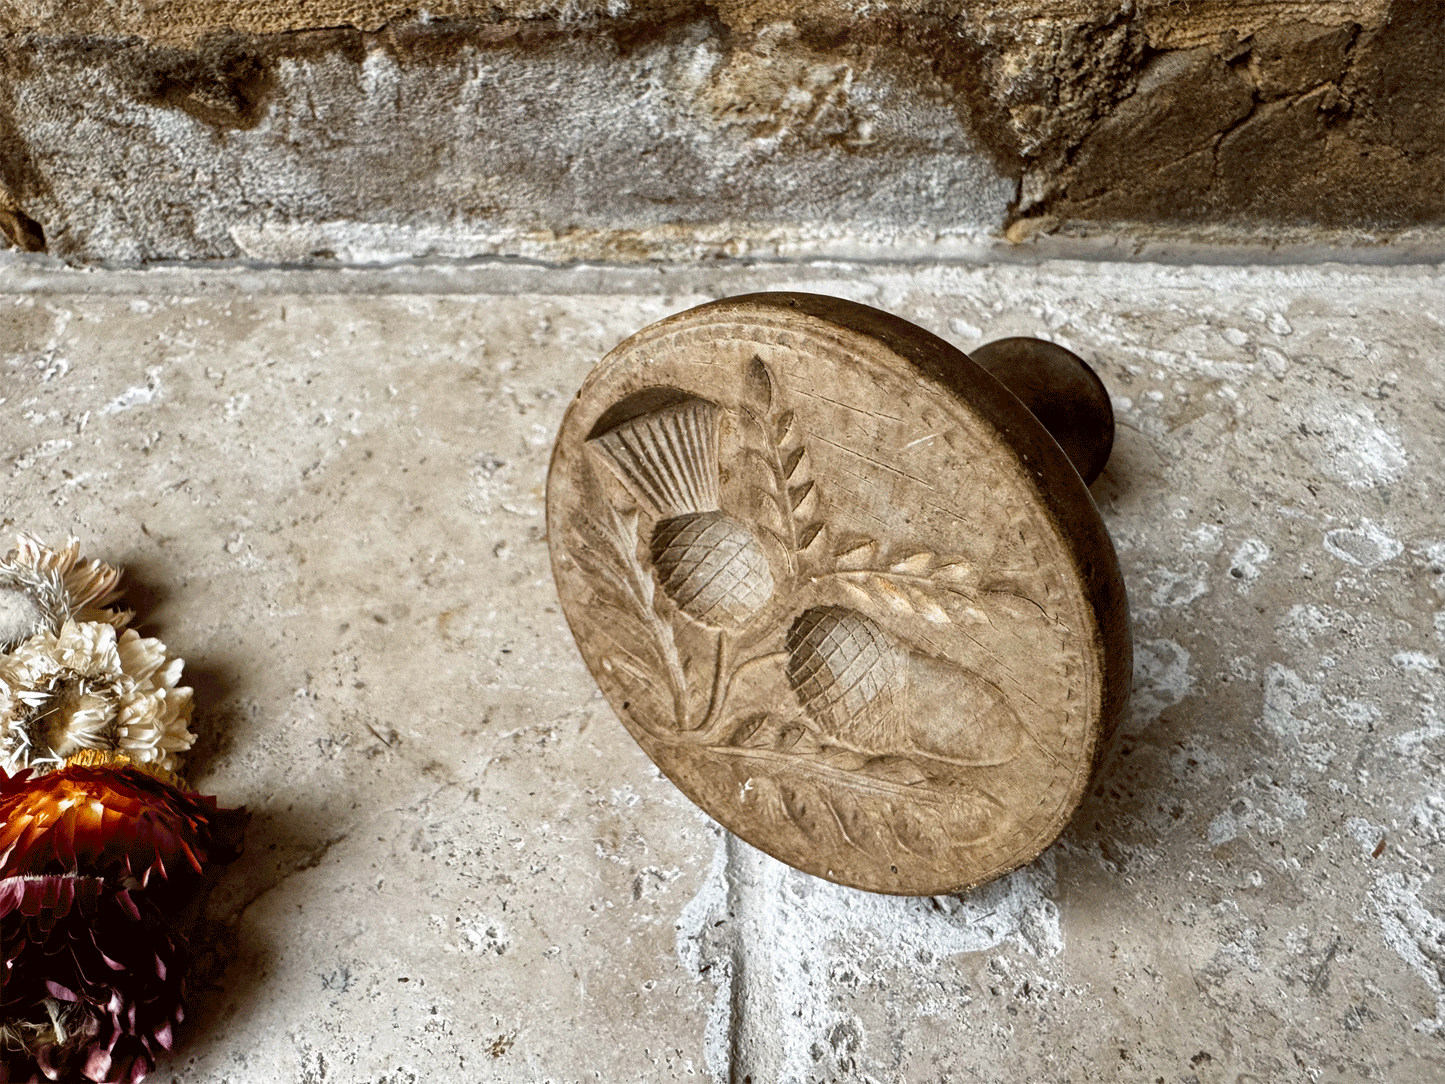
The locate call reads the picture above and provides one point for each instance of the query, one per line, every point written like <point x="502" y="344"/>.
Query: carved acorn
<point x="664" y="446"/>
<point x="850" y="677"/>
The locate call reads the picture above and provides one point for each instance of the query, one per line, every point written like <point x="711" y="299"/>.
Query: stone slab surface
<point x="328" y="490"/>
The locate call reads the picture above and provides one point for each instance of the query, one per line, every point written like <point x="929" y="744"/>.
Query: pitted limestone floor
<point x="328" y="490"/>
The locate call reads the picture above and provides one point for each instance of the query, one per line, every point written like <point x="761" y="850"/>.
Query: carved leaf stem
<point x="790" y="490"/>
<point x="633" y="587"/>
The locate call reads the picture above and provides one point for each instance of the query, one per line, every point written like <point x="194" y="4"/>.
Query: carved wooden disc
<point x="842" y="588"/>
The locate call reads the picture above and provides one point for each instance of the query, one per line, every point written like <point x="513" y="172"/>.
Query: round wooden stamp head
<point x="843" y="588"/>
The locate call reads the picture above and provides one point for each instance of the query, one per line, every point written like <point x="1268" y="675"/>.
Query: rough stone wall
<point x="663" y="128"/>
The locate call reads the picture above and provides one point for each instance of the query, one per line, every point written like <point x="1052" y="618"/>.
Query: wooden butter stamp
<point x="843" y="587"/>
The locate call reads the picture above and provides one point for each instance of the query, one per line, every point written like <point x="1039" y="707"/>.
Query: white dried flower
<point x="41" y="589"/>
<point x="87" y="688"/>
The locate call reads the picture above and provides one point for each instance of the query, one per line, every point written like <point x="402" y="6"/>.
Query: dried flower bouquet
<point x="103" y="847"/>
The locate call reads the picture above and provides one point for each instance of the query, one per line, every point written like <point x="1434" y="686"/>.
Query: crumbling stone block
<point x="359" y="130"/>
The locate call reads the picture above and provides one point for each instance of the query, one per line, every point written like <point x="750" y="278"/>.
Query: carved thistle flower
<point x="84" y="687"/>
<point x="41" y="589"/>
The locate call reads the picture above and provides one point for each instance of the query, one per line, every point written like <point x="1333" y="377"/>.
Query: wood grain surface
<point x="842" y="587"/>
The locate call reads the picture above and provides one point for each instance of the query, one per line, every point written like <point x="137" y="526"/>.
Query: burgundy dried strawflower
<point x="93" y="979"/>
<point x="117" y="822"/>
<point x="98" y="867"/>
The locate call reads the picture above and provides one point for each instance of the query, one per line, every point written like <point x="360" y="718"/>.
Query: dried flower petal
<point x="86" y="688"/>
<point x="93" y="979"/>
<point x="41" y="589"/>
<point x="119" y="823"/>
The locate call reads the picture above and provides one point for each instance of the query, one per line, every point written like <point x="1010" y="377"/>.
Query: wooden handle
<point x="1061" y="391"/>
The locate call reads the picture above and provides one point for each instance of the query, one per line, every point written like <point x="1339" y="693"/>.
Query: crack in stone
<point x="310" y="860"/>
